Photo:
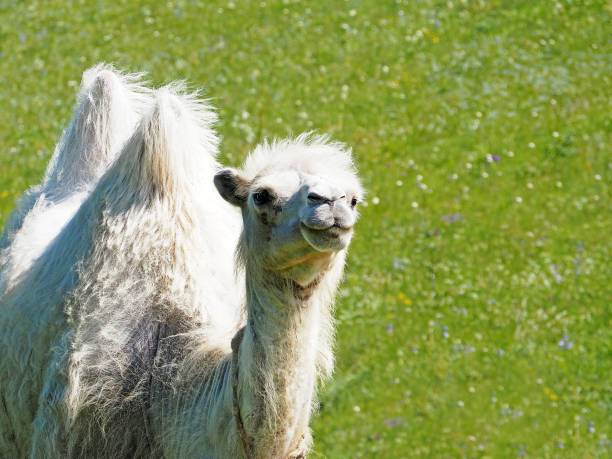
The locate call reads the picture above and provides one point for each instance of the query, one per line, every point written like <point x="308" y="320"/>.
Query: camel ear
<point x="232" y="186"/>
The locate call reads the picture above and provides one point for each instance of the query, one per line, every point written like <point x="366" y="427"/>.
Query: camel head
<point x="299" y="205"/>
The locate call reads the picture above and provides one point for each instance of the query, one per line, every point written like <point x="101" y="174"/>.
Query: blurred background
<point x="476" y="318"/>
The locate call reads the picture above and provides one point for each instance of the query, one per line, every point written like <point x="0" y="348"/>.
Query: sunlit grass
<point x="475" y="319"/>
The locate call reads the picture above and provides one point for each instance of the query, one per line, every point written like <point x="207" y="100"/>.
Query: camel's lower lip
<point x="332" y="232"/>
<point x="331" y="238"/>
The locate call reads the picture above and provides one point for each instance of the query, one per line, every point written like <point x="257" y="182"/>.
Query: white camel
<point x="127" y="326"/>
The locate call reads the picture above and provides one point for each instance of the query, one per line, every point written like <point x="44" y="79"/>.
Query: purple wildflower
<point x="393" y="422"/>
<point x="565" y="343"/>
<point x="451" y="218"/>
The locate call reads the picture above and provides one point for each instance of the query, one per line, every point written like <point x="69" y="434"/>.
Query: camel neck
<point x="278" y="359"/>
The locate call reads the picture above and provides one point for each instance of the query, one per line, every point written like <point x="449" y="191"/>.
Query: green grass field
<point x="476" y="316"/>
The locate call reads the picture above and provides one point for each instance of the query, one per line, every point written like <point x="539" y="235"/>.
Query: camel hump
<point x="174" y="148"/>
<point x="108" y="107"/>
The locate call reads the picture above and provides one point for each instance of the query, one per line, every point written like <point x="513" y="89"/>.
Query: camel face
<point x="295" y="222"/>
<point x="297" y="213"/>
<point x="298" y="221"/>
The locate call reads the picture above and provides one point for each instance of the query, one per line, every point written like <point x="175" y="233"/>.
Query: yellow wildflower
<point x="550" y="394"/>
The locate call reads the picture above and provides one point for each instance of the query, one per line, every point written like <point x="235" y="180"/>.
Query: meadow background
<point x="476" y="318"/>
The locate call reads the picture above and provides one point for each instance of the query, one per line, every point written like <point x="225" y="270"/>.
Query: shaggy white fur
<point x="109" y="105"/>
<point x="120" y="293"/>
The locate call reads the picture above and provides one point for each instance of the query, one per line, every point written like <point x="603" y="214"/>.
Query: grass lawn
<point x="476" y="316"/>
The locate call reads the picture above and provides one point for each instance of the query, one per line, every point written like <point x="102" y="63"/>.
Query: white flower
<point x="518" y="199"/>
<point x="345" y="91"/>
<point x="531" y="145"/>
<point x="375" y="200"/>
<point x="415" y="204"/>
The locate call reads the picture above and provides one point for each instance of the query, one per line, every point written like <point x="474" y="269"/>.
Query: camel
<point x="176" y="309"/>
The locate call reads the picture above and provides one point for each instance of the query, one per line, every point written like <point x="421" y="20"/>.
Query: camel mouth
<point x="332" y="238"/>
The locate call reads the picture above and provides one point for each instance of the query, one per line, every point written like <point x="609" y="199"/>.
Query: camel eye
<point x="353" y="202"/>
<point x="262" y="197"/>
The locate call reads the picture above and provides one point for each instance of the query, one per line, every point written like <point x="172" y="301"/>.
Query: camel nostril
<point x="316" y="198"/>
